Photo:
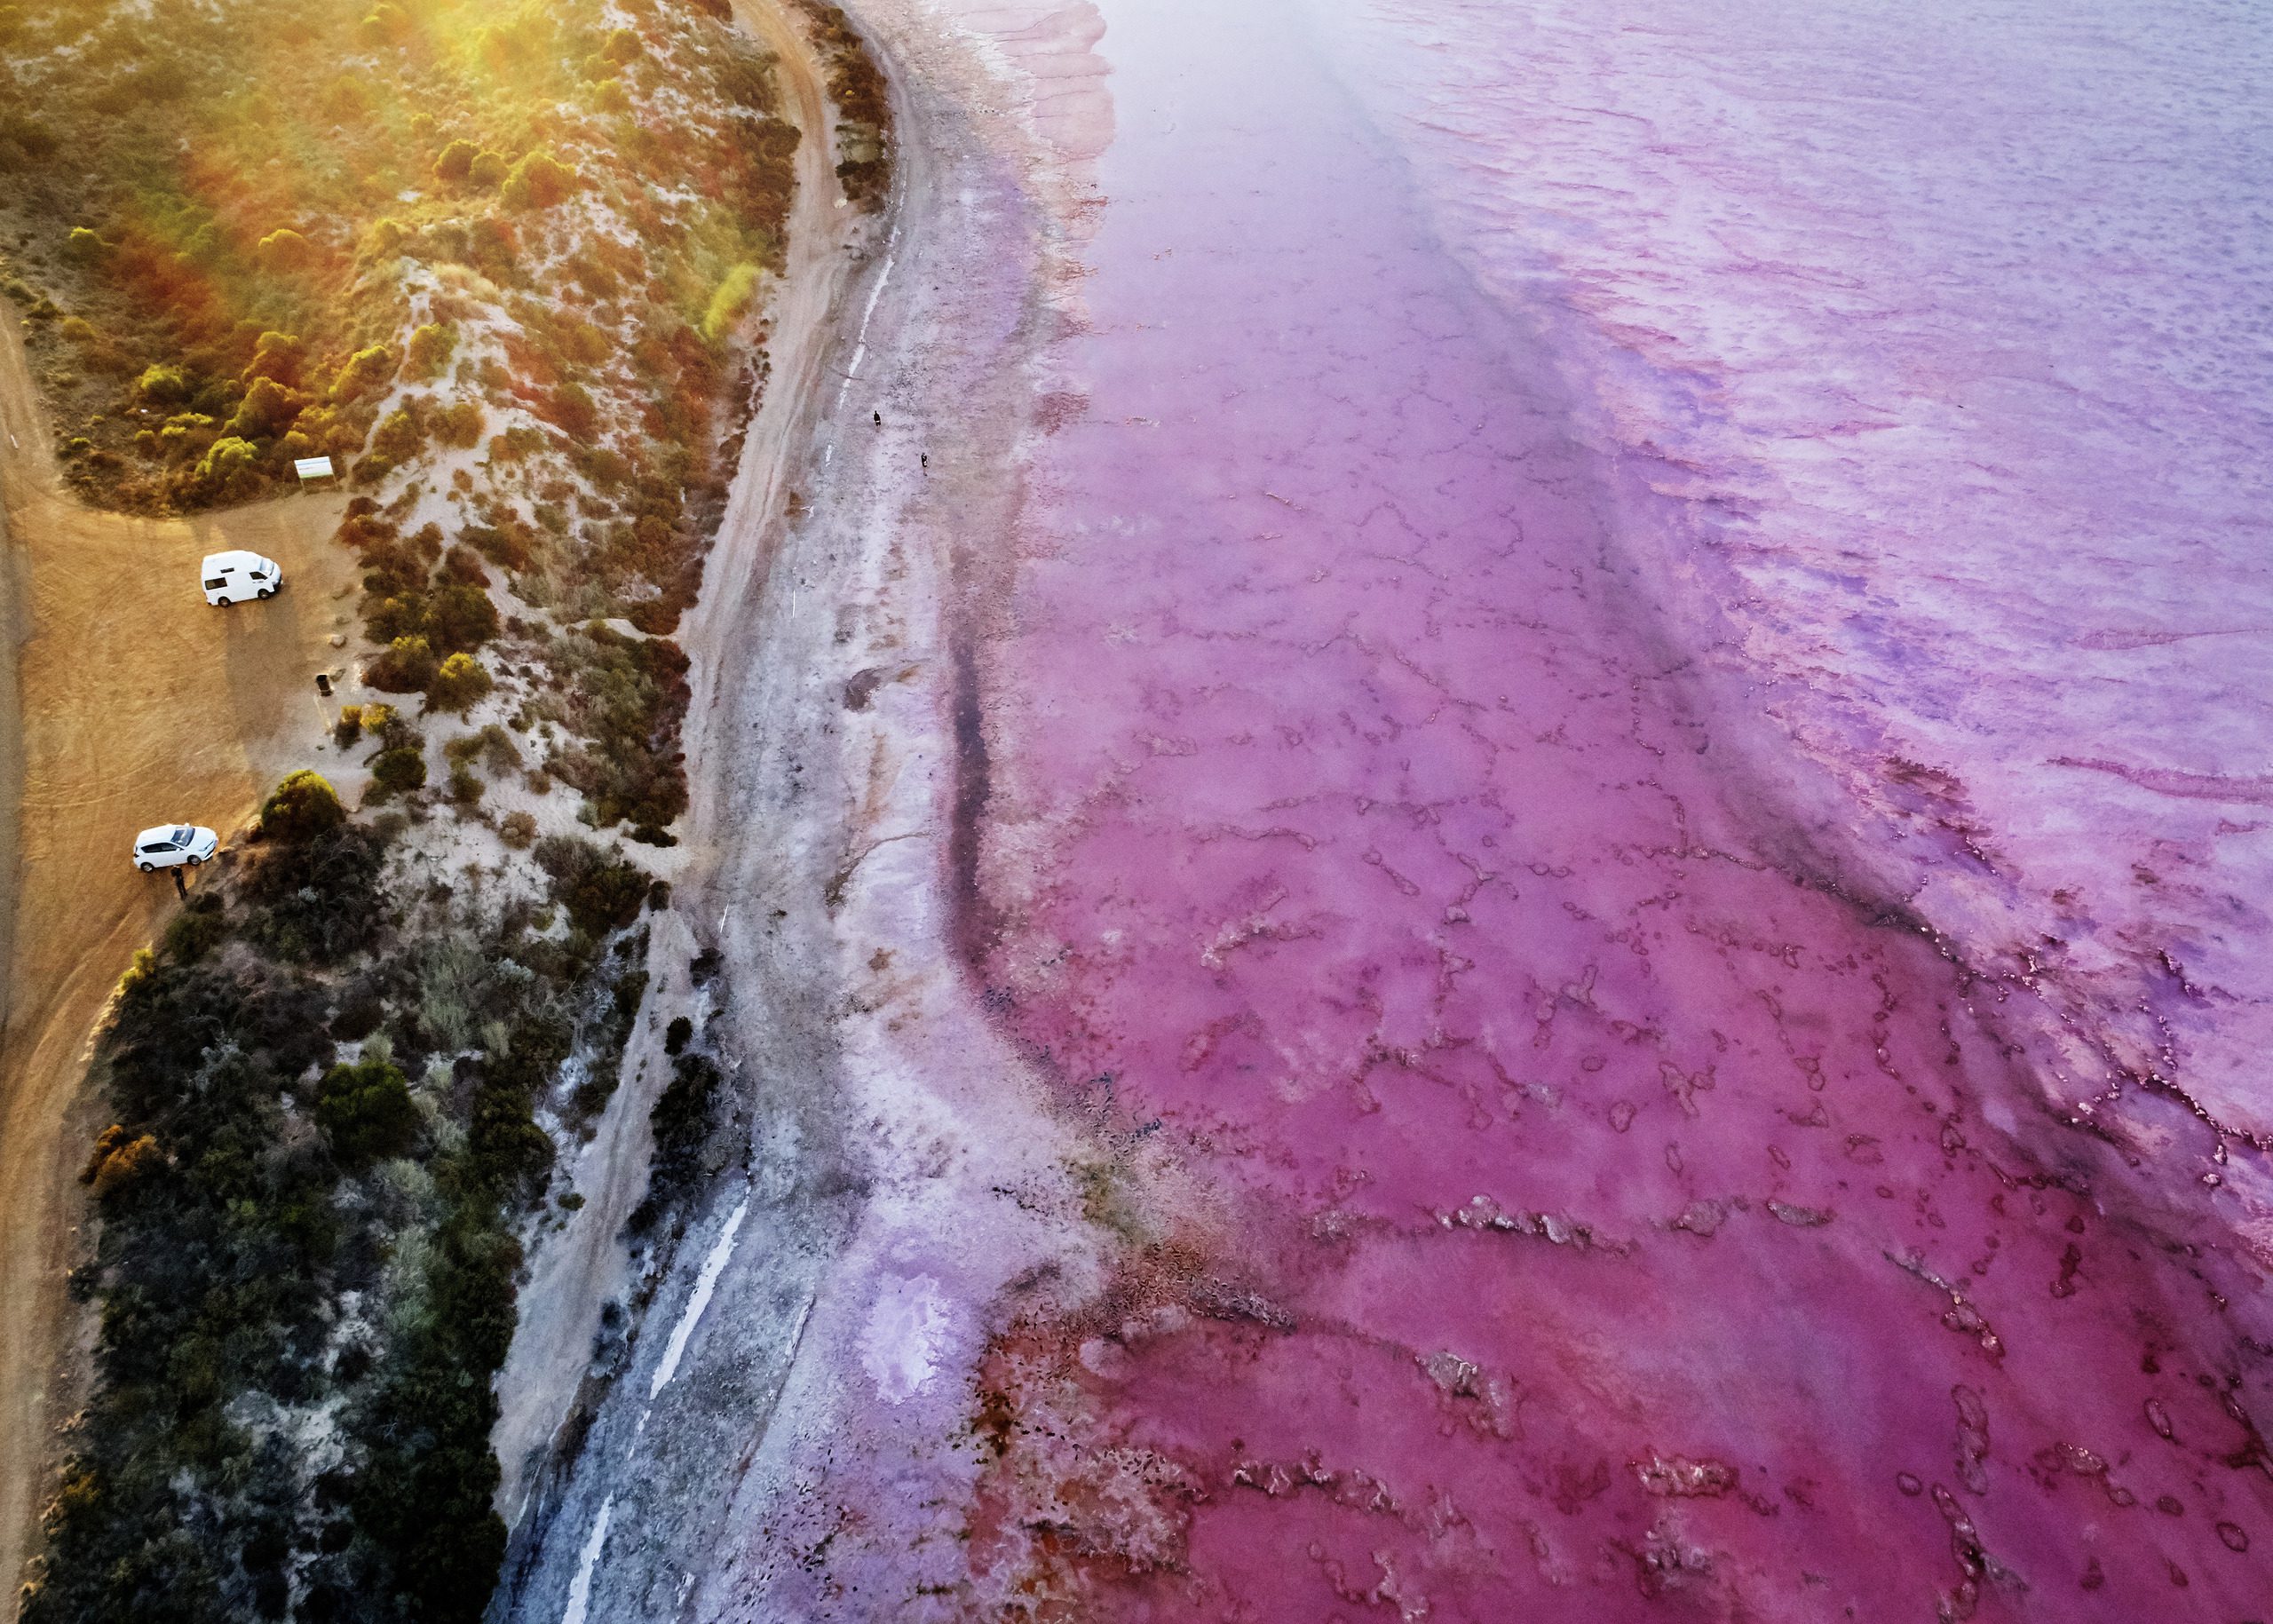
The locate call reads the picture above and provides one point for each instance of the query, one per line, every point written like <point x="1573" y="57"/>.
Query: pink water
<point x="1636" y="715"/>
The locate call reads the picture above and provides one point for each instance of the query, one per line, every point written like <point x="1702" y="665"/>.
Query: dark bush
<point x="358" y="1017"/>
<point x="601" y="891"/>
<point x="316" y="900"/>
<point x="463" y="565"/>
<point x="197" y="929"/>
<point x="682" y="1121"/>
<point x="459" y="618"/>
<point x="365" y="1111"/>
<point x="406" y="666"/>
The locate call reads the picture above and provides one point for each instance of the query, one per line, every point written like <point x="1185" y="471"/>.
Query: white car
<point x="171" y="845"/>
<point x="232" y="577"/>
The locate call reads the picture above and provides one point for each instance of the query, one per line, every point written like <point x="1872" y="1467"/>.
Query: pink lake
<point x="1627" y="599"/>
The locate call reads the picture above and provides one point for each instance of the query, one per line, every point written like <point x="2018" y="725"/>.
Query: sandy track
<point x="135" y="703"/>
<point x="577" y="1270"/>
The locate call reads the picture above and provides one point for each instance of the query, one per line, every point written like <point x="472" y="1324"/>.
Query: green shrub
<point x="518" y="831"/>
<point x="399" y="772"/>
<point x="399" y="438"/>
<point x="386" y="724"/>
<point x="366" y="1112"/>
<point x="461" y="683"/>
<point x="367" y="370"/>
<point x="162" y="386"/>
<point x="301" y="807"/>
<point x="385" y="24"/>
<point x="488" y="171"/>
<point x="539" y="181"/>
<point x="84" y="245"/>
<point x="730" y="300"/>
<point x="428" y="351"/>
<point x="280" y="356"/>
<point x="265" y="412"/>
<point x="386" y="237"/>
<point x="284" y="250"/>
<point x="230" y="469"/>
<point x="454" y="161"/>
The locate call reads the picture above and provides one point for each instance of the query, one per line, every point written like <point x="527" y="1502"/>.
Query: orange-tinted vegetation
<point x="219" y="224"/>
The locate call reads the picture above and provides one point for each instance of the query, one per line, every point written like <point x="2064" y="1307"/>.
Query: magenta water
<point x="1634" y="737"/>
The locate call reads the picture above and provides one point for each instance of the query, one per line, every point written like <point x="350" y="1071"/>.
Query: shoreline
<point x="846" y="1276"/>
<point x="542" y="1388"/>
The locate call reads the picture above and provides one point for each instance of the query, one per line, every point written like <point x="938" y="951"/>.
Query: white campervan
<point x="232" y="577"/>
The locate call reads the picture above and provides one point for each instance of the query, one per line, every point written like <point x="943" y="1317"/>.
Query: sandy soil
<point x="577" y="1269"/>
<point x="136" y="704"/>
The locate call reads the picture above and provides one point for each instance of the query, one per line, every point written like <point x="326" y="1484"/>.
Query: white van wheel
<point x="147" y="867"/>
<point x="268" y="592"/>
<point x="194" y="861"/>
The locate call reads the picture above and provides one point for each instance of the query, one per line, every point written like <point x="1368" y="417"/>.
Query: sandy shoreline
<point x="574" y="1272"/>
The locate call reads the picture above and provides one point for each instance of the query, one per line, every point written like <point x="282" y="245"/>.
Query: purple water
<point x="1634" y="722"/>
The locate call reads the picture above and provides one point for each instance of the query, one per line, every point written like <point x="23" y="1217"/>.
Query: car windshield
<point x="181" y="836"/>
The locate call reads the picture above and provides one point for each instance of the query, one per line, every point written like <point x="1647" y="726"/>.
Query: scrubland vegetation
<point x="505" y="264"/>
<point x="329" y="1106"/>
<point x="240" y="235"/>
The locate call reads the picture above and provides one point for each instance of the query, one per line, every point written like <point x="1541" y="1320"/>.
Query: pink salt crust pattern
<point x="1610" y="1207"/>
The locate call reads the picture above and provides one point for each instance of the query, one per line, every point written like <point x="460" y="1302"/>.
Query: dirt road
<point x="134" y="703"/>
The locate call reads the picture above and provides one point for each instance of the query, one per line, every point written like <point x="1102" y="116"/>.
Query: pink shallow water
<point x="1616" y="1204"/>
